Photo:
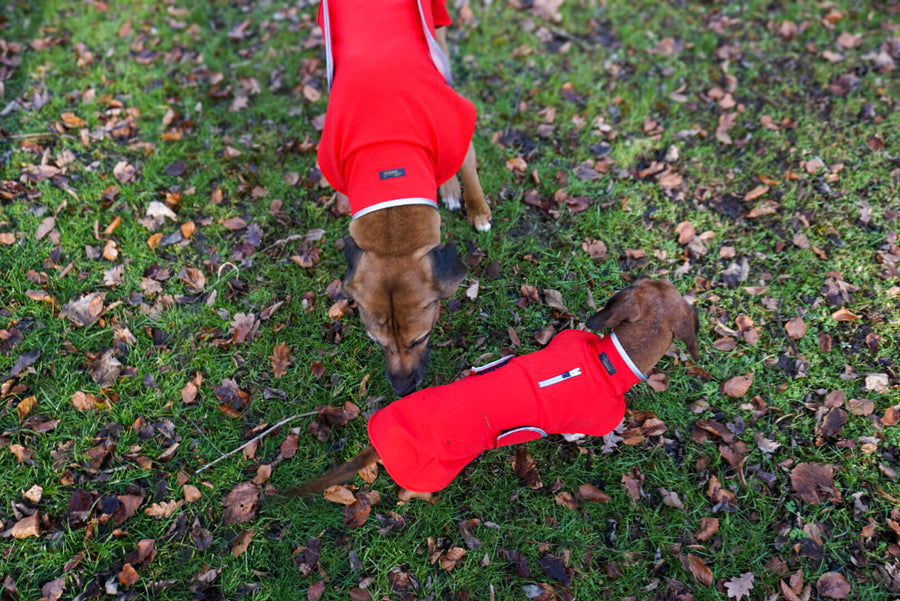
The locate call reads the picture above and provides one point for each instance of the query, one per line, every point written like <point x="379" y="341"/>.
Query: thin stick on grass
<point x="257" y="437"/>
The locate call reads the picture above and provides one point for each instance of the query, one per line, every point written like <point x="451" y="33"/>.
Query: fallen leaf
<point x="737" y="386"/>
<point x="241" y="503"/>
<point x="526" y="469"/>
<point x="814" y="482"/>
<point x="833" y="585"/>
<point x="697" y="568"/>
<point x="51" y="591"/>
<point x="34" y="493"/>
<point x="795" y="328"/>
<point x="163" y="509"/>
<point x="740" y="586"/>
<point x="27" y="526"/>
<point x="128" y="575"/>
<point x="339" y="494"/>
<point x="281" y="359"/>
<point x="451" y="557"/>
<point x="85" y="310"/>
<point x="84" y="401"/>
<point x="191" y="493"/>
<point x="290" y="445"/>
<point x="239" y="547"/>
<point x="124" y="172"/>
<point x="843" y="314"/>
<point x="708" y="528"/>
<point x="566" y="500"/>
<point x="592" y="494"/>
<point x="756" y="193"/>
<point x="633" y="481"/>
<point x="25" y="406"/>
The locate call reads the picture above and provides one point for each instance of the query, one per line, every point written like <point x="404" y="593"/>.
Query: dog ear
<point x="615" y="312"/>
<point x="686" y="330"/>
<point x="447" y="271"/>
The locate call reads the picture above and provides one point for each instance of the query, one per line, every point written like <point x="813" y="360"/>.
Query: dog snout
<point x="406" y="373"/>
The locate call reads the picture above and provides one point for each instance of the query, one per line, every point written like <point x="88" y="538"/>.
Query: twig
<point x="257" y="437"/>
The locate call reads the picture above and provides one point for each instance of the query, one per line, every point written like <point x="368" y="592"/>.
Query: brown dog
<point x="394" y="132"/>
<point x="576" y="383"/>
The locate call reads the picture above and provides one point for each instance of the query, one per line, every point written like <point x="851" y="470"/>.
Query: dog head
<point x="399" y="302"/>
<point x="646" y="318"/>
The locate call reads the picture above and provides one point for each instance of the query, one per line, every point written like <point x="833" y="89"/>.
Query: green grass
<point x="180" y="61"/>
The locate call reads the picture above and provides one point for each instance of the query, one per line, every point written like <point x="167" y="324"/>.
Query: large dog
<point x="394" y="132"/>
<point x="575" y="384"/>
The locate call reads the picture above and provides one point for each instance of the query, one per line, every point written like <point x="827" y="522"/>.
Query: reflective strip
<point x="626" y="358"/>
<point x="397" y="202"/>
<point x="560" y="378"/>
<point x="491" y="365"/>
<point x="534" y="429"/>
<point x="329" y="61"/>
<point x="438" y="57"/>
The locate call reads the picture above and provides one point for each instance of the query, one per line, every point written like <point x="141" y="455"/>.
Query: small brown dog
<point x="395" y="132"/>
<point x="575" y="384"/>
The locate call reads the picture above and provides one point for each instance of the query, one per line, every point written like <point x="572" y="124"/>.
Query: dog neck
<point x="398" y="230"/>
<point x="644" y="343"/>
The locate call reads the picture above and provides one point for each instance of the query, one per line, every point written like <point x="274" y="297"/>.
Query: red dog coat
<point x="395" y="130"/>
<point x="575" y="384"/>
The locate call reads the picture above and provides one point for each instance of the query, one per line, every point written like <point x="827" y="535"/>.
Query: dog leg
<point x="450" y="194"/>
<point x="477" y="210"/>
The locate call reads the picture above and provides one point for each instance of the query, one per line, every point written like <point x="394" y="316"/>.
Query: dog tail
<point x="338" y="475"/>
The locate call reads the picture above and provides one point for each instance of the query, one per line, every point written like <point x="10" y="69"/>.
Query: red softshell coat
<point x="395" y="130"/>
<point x="575" y="384"/>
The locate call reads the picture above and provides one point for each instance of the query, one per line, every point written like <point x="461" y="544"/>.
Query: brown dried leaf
<point x="592" y="494"/>
<point x="633" y="482"/>
<point x="843" y="314"/>
<point x="566" y="500"/>
<point x="451" y="557"/>
<point x="737" y="386"/>
<point x="740" y="586"/>
<point x="240" y="544"/>
<point x="795" y="328"/>
<point x="833" y="585"/>
<point x="697" y="569"/>
<point x="289" y="446"/>
<point x="241" y="503"/>
<point x="595" y="249"/>
<point x="28" y="526"/>
<point x="756" y="193"/>
<point x="191" y="493"/>
<point x="814" y="482"/>
<point x="708" y="528"/>
<point x="526" y="469"/>
<point x="281" y="359"/>
<point x="124" y="172"/>
<point x="685" y="231"/>
<point x="163" y="509"/>
<point x="85" y="310"/>
<point x="128" y="575"/>
<point x="339" y="494"/>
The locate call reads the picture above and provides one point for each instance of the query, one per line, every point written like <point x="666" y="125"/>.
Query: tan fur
<point x="646" y="317"/>
<point x="393" y="279"/>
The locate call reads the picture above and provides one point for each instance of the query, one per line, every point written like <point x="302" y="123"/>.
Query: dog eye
<point x="419" y="341"/>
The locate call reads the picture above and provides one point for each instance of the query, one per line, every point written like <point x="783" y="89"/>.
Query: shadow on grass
<point x="20" y="25"/>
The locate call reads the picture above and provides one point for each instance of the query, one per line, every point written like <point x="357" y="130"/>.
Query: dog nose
<point x="404" y="384"/>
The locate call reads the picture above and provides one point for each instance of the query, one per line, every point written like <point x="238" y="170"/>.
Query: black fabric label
<point x="392" y="173"/>
<point x="607" y="364"/>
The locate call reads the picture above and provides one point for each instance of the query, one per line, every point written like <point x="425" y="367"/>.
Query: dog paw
<point x="451" y="202"/>
<point x="450" y="194"/>
<point x="573" y="437"/>
<point x="482" y="223"/>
